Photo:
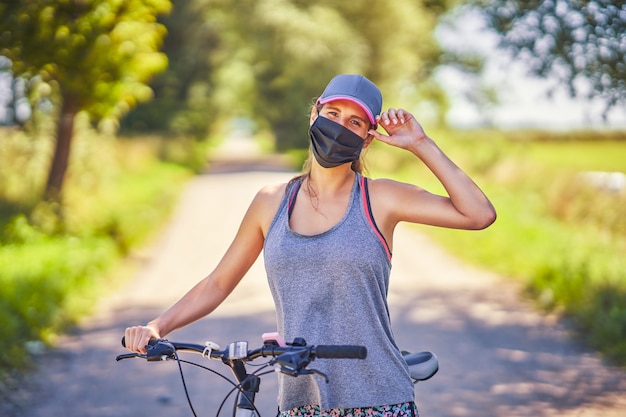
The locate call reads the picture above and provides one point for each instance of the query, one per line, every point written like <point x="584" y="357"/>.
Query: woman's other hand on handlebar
<point x="137" y="337"/>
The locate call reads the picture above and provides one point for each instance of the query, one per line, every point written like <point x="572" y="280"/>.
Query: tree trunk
<point x="65" y="130"/>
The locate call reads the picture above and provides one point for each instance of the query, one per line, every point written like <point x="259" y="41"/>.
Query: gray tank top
<point x="331" y="288"/>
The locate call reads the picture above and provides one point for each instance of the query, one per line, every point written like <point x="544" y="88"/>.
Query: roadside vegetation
<point x="55" y="262"/>
<point x="561" y="227"/>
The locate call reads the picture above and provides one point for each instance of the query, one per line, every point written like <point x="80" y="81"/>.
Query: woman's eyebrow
<point x="360" y="118"/>
<point x="356" y="116"/>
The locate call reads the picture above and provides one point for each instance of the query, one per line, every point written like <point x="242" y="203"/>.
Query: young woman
<point x="327" y="238"/>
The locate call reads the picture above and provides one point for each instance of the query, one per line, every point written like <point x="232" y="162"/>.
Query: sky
<point x="523" y="100"/>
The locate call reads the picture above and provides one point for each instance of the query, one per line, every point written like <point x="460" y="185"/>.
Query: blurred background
<point x="107" y="108"/>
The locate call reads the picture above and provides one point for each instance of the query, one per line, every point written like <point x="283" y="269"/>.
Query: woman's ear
<point x="368" y="140"/>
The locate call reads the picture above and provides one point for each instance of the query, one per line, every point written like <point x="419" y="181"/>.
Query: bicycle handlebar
<point x="160" y="347"/>
<point x="341" y="351"/>
<point x="290" y="359"/>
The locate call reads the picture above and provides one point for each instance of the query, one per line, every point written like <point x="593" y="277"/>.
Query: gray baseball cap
<point x="357" y="89"/>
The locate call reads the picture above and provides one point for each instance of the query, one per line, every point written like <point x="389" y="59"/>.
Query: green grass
<point x="585" y="156"/>
<point x="47" y="284"/>
<point x="117" y="194"/>
<point x="562" y="238"/>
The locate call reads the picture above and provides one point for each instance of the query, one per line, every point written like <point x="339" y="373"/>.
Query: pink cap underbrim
<point x="355" y="101"/>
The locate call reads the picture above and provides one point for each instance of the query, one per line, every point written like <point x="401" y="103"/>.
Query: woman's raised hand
<point x="403" y="130"/>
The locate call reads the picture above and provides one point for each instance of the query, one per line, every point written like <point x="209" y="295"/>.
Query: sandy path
<point x="498" y="356"/>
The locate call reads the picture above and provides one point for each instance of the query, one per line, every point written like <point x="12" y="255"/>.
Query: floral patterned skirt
<point x="394" y="410"/>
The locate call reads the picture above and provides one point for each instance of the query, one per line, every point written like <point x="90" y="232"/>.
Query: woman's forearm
<point x="201" y="300"/>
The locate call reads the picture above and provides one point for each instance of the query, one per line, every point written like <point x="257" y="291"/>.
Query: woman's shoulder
<point x="272" y="192"/>
<point x="266" y="204"/>
<point x="388" y="184"/>
<point x="269" y="197"/>
<point x="389" y="190"/>
<point x="276" y="192"/>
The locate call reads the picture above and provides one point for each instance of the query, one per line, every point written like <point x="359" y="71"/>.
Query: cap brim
<point x="367" y="111"/>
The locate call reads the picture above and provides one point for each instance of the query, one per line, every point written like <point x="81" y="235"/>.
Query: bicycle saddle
<point x="422" y="365"/>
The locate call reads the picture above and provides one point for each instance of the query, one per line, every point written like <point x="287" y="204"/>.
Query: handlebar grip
<point x="341" y="351"/>
<point x="151" y="342"/>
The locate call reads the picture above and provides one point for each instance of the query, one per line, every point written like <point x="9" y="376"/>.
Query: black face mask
<point x="333" y="144"/>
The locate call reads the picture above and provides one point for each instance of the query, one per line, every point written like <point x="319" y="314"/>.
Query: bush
<point x="45" y="284"/>
<point x="56" y="260"/>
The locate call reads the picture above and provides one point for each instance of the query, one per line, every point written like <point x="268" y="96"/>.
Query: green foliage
<point x="45" y="284"/>
<point x="305" y="54"/>
<point x="268" y="63"/>
<point x="567" y="40"/>
<point x="93" y="56"/>
<point x="100" y="51"/>
<point x="561" y="236"/>
<point x="593" y="299"/>
<point x="182" y="101"/>
<point x="53" y="269"/>
<point x="576" y="199"/>
<point x="586" y="151"/>
<point x="22" y="153"/>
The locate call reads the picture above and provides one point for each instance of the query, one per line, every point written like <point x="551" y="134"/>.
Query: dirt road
<point x="498" y="356"/>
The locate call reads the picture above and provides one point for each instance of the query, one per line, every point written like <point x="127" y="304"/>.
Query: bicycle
<point x="289" y="358"/>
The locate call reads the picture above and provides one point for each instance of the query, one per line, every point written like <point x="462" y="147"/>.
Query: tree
<point x="97" y="55"/>
<point x="270" y="62"/>
<point x="573" y="41"/>
<point x="182" y="93"/>
<point x="392" y="43"/>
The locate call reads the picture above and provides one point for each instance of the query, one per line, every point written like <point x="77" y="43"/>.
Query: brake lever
<point x="291" y="363"/>
<point x="160" y="351"/>
<point x="295" y="372"/>
<point x="295" y="363"/>
<point x="130" y="356"/>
